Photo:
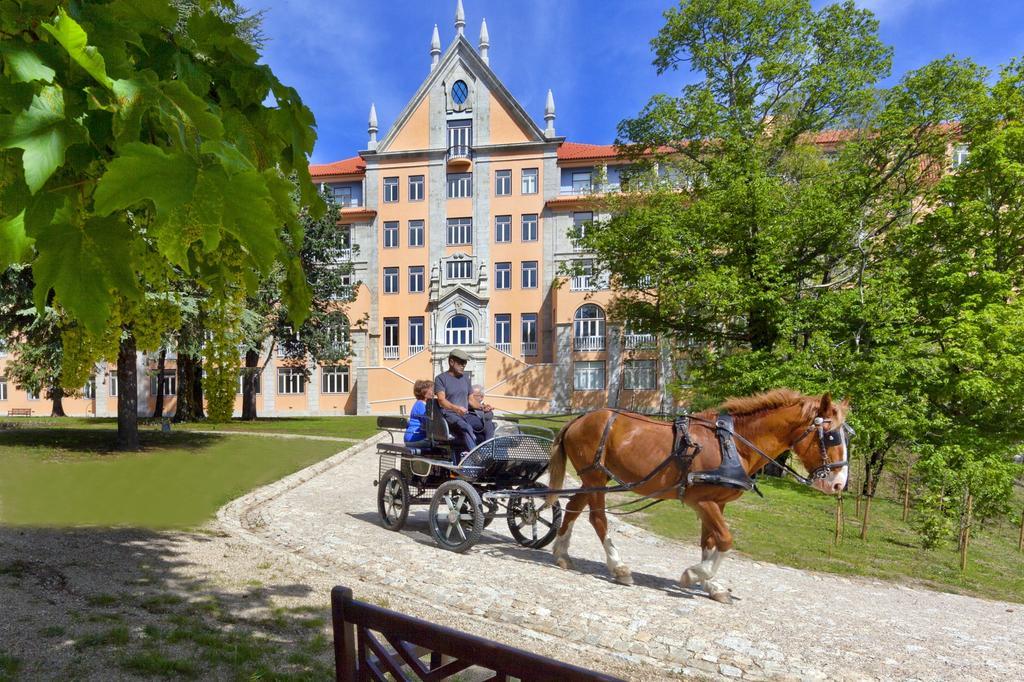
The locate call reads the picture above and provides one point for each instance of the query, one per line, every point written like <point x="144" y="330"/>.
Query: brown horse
<point x="634" y="446"/>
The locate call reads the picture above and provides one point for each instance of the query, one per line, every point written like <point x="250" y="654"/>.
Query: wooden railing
<point x="374" y="643"/>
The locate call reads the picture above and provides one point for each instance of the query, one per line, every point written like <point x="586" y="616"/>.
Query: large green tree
<point x="139" y="140"/>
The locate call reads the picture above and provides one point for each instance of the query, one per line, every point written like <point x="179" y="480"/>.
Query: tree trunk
<point x="127" y="396"/>
<point x="252" y="360"/>
<point x="158" y="411"/>
<point x="873" y="466"/>
<point x="57" y="400"/>
<point x="197" y="389"/>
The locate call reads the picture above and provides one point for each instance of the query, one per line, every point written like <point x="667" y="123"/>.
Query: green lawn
<point x="339" y="427"/>
<point x="70" y="477"/>
<point x="795" y="525"/>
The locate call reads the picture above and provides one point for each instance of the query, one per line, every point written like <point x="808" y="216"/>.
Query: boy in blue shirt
<point x="423" y="390"/>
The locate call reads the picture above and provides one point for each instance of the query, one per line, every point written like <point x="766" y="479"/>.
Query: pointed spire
<point x="435" y="48"/>
<point x="485" y="42"/>
<point x="372" y="128"/>
<point x="460" y="19"/>
<point x="549" y="115"/>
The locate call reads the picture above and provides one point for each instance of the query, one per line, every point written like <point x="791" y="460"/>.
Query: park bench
<point x="19" y="412"/>
<point x="375" y="643"/>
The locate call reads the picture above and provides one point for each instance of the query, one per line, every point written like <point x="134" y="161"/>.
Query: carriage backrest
<point x="437" y="427"/>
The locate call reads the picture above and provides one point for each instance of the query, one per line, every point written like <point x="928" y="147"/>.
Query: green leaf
<point x="249" y="217"/>
<point x="145" y="172"/>
<point x="73" y="38"/>
<point x="194" y="109"/>
<point x="15" y="245"/>
<point x="43" y="133"/>
<point x="25" y="65"/>
<point x="133" y="98"/>
<point x="84" y="265"/>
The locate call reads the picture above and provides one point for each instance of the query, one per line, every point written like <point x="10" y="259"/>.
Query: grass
<point x="153" y="663"/>
<point x="9" y="667"/>
<point x="795" y="526"/>
<point x="71" y="477"/>
<point x="353" y="427"/>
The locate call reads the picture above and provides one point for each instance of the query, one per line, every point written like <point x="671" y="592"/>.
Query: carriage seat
<point x="419" y="448"/>
<point x="437" y="428"/>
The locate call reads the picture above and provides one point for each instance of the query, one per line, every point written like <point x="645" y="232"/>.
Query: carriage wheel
<point x="393" y="499"/>
<point x="533" y="521"/>
<point x="490" y="511"/>
<point x="456" y="516"/>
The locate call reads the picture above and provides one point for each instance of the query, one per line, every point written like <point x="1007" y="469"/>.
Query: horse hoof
<point x="623" y="577"/>
<point x="564" y="563"/>
<point x="723" y="597"/>
<point x="686" y="580"/>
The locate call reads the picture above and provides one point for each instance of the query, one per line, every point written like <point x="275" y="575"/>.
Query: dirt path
<point x="785" y="623"/>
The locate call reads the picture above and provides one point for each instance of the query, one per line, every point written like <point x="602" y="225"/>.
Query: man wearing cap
<point x="453" y="391"/>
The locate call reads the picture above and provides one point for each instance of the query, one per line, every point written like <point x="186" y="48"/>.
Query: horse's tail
<point x="556" y="465"/>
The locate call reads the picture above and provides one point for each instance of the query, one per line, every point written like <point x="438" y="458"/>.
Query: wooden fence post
<point x="906" y="493"/>
<point x="1020" y="540"/>
<point x="965" y="539"/>
<point x="838" y="537"/>
<point x="867" y="507"/>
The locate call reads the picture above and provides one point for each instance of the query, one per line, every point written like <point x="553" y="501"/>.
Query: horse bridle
<point x="827" y="439"/>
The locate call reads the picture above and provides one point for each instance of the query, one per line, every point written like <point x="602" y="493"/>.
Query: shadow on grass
<point x="102" y="441"/>
<point x="103" y="603"/>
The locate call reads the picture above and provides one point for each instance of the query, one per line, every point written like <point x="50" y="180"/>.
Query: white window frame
<point x="417" y="233"/>
<point x="256" y="389"/>
<point x="170" y="379"/>
<point x="530" y="181"/>
<point x="589" y="375"/>
<point x="417" y="333"/>
<point x="582" y="181"/>
<point x="528" y="276"/>
<point x="529" y="227"/>
<point x="334" y="379"/>
<point x="391" y="239"/>
<point x="503" y="329"/>
<point x="503" y="183"/>
<point x="640" y="375"/>
<point x="503" y="229"/>
<point x="3" y="388"/>
<point x="417" y="277"/>
<point x="391" y="276"/>
<point x="503" y="275"/>
<point x="291" y="381"/>
<point x="112" y="384"/>
<point x="587" y="327"/>
<point x="392" y="338"/>
<point x="961" y="152"/>
<point x="459" y="232"/>
<point x="459" y="270"/>
<point x="390" y="185"/>
<point x="460" y="185"/>
<point x="89" y="390"/>
<point x="459" y="336"/>
<point x="416" y="187"/>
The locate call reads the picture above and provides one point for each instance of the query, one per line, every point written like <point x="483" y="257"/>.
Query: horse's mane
<point x="760" y="402"/>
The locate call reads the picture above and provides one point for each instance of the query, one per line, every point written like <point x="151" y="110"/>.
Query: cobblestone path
<point x="786" y="624"/>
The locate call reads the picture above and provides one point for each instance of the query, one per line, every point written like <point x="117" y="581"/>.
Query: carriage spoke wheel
<point x="533" y="521"/>
<point x="393" y="499"/>
<point x="456" y="516"/>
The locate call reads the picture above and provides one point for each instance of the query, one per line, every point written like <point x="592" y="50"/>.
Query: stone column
<point x="142" y="384"/>
<point x="102" y="390"/>
<point x="362" y="374"/>
<point x="562" y="395"/>
<point x="665" y="372"/>
<point x="313" y="392"/>
<point x="614" y="364"/>
<point x="268" y="382"/>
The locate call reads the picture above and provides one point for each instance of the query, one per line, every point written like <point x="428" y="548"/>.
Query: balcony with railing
<point x="582" y="283"/>
<point x="390" y="352"/>
<point x="529" y="347"/>
<point x="413" y="350"/>
<point x="633" y="341"/>
<point x="505" y="348"/>
<point x="588" y="343"/>
<point x="459" y="157"/>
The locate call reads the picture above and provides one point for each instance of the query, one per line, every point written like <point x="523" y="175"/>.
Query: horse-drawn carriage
<point x="497" y="479"/>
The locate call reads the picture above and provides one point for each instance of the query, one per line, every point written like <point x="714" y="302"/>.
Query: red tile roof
<point x="575" y="151"/>
<point x="353" y="166"/>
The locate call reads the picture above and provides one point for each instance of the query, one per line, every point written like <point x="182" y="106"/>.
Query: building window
<point x="31" y="395"/>
<point x="460" y="185"/>
<point x="588" y="376"/>
<point x="529" y="274"/>
<point x="415" y="233"/>
<point x="503" y="228"/>
<point x="342" y="195"/>
<point x="3" y="388"/>
<point x="588" y="328"/>
<point x="458" y="331"/>
<point x="581" y="181"/>
<point x="391" y="338"/>
<point x="588" y="278"/>
<point x="390" y="280"/>
<point x="503" y="183"/>
<point x="529" y="181"/>
<point x="529" y="333"/>
<point x="89" y="390"/>
<point x="391" y="234"/>
<point x="960" y="154"/>
<point x="291" y="381"/>
<point x="460" y="138"/>
<point x="639" y="375"/>
<point x="460" y="231"/>
<point x="502" y="275"/>
<point x="529" y="225"/>
<point x="334" y="379"/>
<point x="416" y="334"/>
<point x="256" y="389"/>
<point x="390" y="190"/>
<point x="459" y="269"/>
<point x="415" y="279"/>
<point x="415" y="188"/>
<point x="503" y="333"/>
<point x="112" y="384"/>
<point x="169" y="379"/>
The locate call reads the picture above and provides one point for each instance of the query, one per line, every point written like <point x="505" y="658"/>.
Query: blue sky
<point x="594" y="54"/>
